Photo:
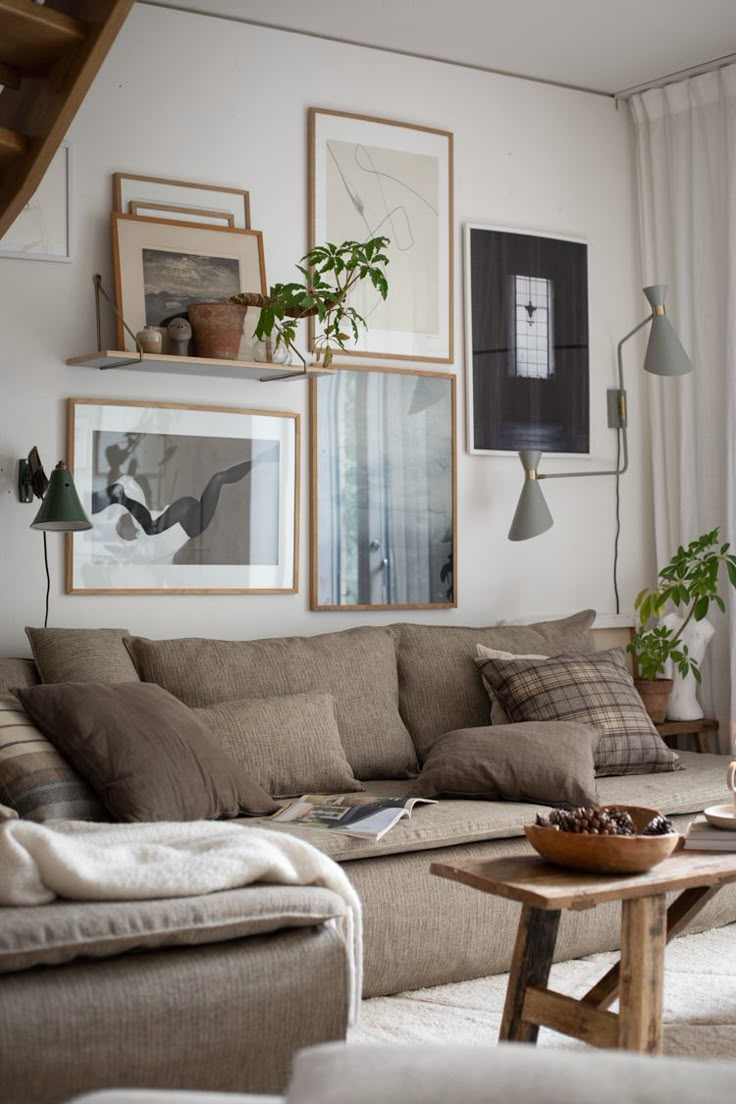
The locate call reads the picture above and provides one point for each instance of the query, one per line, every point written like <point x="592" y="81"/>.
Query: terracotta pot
<point x="218" y="328"/>
<point x="655" y="695"/>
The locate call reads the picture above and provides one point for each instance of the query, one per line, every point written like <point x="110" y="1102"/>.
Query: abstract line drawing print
<point x="373" y="190"/>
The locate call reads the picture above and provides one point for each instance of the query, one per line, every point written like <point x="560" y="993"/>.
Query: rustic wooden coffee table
<point x="646" y="926"/>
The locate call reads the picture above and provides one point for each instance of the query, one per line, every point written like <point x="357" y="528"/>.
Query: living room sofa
<point x="396" y="689"/>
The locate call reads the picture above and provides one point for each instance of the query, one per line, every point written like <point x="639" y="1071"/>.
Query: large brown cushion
<point x="17" y="672"/>
<point x="82" y="655"/>
<point x="35" y="779"/>
<point x="146" y="755"/>
<point x="551" y="763"/>
<point x="439" y="688"/>
<point x="357" y="666"/>
<point x="595" y="689"/>
<point x="290" y="745"/>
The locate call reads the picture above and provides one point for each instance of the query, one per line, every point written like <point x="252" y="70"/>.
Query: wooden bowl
<point x="605" y="854"/>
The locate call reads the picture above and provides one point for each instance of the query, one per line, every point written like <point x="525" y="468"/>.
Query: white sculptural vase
<point x="684" y="704"/>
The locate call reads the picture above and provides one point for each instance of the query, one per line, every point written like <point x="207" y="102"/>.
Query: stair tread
<point x="12" y="145"/>
<point x="34" y="36"/>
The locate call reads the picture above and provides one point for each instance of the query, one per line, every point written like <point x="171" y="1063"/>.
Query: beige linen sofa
<point x="396" y="689"/>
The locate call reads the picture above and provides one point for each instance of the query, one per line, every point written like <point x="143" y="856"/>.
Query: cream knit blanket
<point x="82" y="861"/>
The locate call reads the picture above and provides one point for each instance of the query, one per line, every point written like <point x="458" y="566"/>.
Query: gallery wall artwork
<point x="371" y="177"/>
<point x="383" y="490"/>
<point x="183" y="499"/>
<point x="526" y="302"/>
<point x="42" y="230"/>
<point x="162" y="265"/>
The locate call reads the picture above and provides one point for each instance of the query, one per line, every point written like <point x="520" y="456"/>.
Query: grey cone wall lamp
<point x="665" y="356"/>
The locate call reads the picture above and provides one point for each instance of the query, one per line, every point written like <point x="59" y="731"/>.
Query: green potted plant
<point x="330" y="273"/>
<point x="689" y="582"/>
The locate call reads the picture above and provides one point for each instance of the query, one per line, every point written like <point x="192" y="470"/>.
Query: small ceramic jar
<point x="150" y="339"/>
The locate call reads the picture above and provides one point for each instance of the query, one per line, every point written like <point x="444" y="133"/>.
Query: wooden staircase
<point x="49" y="56"/>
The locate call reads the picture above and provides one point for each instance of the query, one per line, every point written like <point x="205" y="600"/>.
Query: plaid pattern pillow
<point x="595" y="689"/>
<point x="34" y="778"/>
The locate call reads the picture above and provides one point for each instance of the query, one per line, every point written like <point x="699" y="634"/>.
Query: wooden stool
<point x="700" y="729"/>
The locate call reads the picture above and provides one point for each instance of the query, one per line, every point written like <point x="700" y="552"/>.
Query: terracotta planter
<point x="655" y="695"/>
<point x="218" y="328"/>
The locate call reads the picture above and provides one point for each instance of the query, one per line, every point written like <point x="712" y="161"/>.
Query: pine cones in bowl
<point x="604" y="839"/>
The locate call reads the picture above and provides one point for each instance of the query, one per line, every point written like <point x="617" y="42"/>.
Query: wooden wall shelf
<point x="108" y="359"/>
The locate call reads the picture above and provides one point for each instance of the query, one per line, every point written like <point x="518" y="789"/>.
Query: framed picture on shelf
<point x="182" y="214"/>
<point x="42" y="230"/>
<point x="183" y="499"/>
<point x="197" y="202"/>
<point x="526" y="318"/>
<point x="162" y="265"/>
<point x="383" y="490"/>
<point x="371" y="177"/>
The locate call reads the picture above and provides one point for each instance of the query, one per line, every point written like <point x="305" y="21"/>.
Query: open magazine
<point x="363" y="815"/>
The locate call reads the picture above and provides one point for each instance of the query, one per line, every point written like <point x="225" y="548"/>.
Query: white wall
<point x="197" y="98"/>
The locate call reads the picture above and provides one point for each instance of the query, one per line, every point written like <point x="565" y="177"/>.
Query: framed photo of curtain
<point x="526" y="315"/>
<point x="383" y="490"/>
<point x="183" y="499"/>
<point x="371" y="177"/>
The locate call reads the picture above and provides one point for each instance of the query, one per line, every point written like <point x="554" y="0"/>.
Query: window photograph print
<point x="183" y="499"/>
<point x="162" y="265"/>
<point x="526" y="317"/>
<point x="383" y="489"/>
<point x="374" y="177"/>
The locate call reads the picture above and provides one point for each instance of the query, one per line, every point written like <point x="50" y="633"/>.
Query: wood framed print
<point x="181" y="214"/>
<point x="526" y="307"/>
<point x="42" y="230"/>
<point x="162" y="265"/>
<point x="183" y="499"/>
<point x="383" y="490"/>
<point x="374" y="176"/>
<point x="148" y="190"/>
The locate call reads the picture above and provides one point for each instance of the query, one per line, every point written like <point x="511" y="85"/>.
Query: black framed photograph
<point x="526" y="304"/>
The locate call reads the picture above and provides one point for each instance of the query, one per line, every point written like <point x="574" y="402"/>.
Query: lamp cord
<point x="48" y="578"/>
<point x="618" y="521"/>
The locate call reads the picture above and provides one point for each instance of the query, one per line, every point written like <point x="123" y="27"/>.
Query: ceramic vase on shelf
<point x="150" y="339"/>
<point x="683" y="704"/>
<point x="267" y="350"/>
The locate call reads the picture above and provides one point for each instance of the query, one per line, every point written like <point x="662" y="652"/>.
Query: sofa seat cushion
<point x="47" y="935"/>
<point x="440" y="688"/>
<point x="458" y="821"/>
<point x="356" y="666"/>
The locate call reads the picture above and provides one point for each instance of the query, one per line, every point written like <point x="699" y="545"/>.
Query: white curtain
<point x="686" y="159"/>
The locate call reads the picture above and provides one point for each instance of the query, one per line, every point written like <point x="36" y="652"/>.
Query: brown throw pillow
<point x="594" y="689"/>
<point x="289" y="745"/>
<point x="144" y="753"/>
<point x="35" y="779"/>
<point x="549" y="764"/>
<point x="82" y="655"/>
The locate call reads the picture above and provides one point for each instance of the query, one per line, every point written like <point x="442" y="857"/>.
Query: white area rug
<point x="699" y="1002"/>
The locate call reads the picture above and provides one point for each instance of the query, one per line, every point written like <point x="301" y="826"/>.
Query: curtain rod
<point x="681" y="74"/>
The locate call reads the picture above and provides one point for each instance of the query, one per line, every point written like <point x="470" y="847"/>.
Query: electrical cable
<point x="618" y="521"/>
<point x="48" y="579"/>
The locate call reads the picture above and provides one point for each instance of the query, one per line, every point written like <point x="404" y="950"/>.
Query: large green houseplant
<point x="689" y="583"/>
<point x="330" y="272"/>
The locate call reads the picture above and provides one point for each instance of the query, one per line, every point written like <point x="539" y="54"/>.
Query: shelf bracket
<point x="99" y="290"/>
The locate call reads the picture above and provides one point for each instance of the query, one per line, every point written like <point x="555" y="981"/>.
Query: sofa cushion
<point x="451" y="823"/>
<point x="597" y="690"/>
<point x="356" y="666"/>
<point x="439" y="688"/>
<point x="35" y="780"/>
<point x="145" y="754"/>
<point x="289" y="745"/>
<point x="17" y="672"/>
<point x="82" y="655"/>
<point x="60" y="932"/>
<point x="551" y="763"/>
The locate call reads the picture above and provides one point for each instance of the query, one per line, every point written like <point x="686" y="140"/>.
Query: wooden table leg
<point x="535" y="944"/>
<point x="643" y="940"/>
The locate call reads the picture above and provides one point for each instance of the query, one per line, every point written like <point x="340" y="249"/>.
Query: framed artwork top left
<point x="181" y="199"/>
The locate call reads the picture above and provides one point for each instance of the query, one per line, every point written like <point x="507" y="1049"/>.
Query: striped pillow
<point x="34" y="778"/>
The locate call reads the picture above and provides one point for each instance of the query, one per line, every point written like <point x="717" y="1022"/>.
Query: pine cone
<point x="659" y="826"/>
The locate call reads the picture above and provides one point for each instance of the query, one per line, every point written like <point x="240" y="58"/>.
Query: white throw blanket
<point x="125" y="862"/>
